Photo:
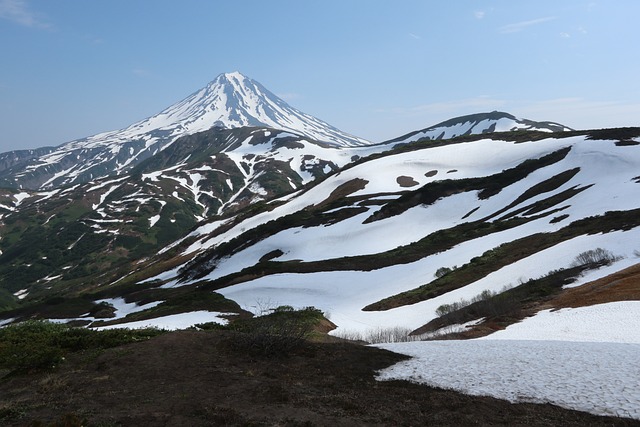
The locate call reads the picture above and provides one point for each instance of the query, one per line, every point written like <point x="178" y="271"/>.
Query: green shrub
<point x="36" y="345"/>
<point x="30" y="345"/>
<point x="278" y="333"/>
<point x="446" y="309"/>
<point x="442" y="271"/>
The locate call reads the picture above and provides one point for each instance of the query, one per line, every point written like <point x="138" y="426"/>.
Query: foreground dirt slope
<point x="198" y="378"/>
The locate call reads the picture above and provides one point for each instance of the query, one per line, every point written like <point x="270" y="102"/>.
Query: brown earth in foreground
<point x="199" y="379"/>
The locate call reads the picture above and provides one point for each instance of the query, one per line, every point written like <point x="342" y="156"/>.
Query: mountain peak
<point x="234" y="75"/>
<point x="234" y="100"/>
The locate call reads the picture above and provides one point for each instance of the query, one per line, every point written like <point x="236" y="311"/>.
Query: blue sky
<point x="374" y="68"/>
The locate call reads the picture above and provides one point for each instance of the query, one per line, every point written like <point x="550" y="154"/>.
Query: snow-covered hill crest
<point x="480" y="123"/>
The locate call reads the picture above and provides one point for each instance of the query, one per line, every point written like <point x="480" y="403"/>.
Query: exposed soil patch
<point x="198" y="378"/>
<point x="431" y="173"/>
<point x="621" y="286"/>
<point x="406" y="181"/>
<point x="344" y="190"/>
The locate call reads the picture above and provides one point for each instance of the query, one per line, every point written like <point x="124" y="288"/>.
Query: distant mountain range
<point x="232" y="196"/>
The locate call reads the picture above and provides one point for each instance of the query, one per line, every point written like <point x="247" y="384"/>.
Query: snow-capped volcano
<point x="232" y="100"/>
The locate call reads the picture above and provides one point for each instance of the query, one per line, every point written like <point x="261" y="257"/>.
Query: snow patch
<point x="600" y="378"/>
<point x="174" y="321"/>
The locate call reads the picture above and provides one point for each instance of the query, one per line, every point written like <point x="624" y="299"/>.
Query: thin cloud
<point x="18" y="11"/>
<point x="519" y="26"/>
<point x="479" y="14"/>
<point x="415" y="36"/>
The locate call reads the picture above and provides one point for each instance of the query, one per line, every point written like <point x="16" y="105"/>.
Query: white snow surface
<point x="611" y="322"/>
<point x="173" y="321"/>
<point x="596" y="377"/>
<point x="583" y="358"/>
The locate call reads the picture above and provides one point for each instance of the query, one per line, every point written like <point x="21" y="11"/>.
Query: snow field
<point x="596" y="377"/>
<point x="492" y="155"/>
<point x="343" y="294"/>
<point x="611" y="322"/>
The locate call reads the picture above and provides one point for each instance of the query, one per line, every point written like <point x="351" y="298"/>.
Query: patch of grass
<point x="69" y="419"/>
<point x="13" y="412"/>
<point x="57" y="307"/>
<point x="174" y="301"/>
<point x="7" y="300"/>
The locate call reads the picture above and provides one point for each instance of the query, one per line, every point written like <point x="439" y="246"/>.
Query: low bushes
<point x="278" y="333"/>
<point x="485" y="295"/>
<point x="36" y="345"/>
<point x="379" y="335"/>
<point x="503" y="307"/>
<point x="594" y="258"/>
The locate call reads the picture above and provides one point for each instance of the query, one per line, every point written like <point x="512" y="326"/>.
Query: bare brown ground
<point x="621" y="286"/>
<point x="199" y="379"/>
<point x="406" y="181"/>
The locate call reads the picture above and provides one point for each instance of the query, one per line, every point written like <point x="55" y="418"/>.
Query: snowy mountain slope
<point x="132" y="216"/>
<point x="232" y="100"/>
<point x="18" y="158"/>
<point x="326" y="247"/>
<point x="209" y="173"/>
<point x="480" y="123"/>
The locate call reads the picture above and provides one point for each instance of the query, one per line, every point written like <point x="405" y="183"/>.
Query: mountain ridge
<point x="479" y="123"/>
